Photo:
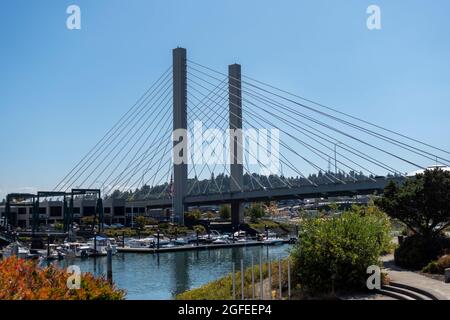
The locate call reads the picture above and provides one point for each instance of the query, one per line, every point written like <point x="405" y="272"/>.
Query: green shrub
<point x="255" y="212"/>
<point x="432" y="267"/>
<point x="225" y="211"/>
<point x="381" y="218"/>
<point x="261" y="224"/>
<point x="119" y="232"/>
<point x="200" y="229"/>
<point x="333" y="254"/>
<point x="417" y="251"/>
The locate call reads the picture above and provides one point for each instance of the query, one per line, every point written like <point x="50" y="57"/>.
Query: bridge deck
<point x="328" y="190"/>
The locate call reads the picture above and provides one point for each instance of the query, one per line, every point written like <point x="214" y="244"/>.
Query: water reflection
<point x="164" y="275"/>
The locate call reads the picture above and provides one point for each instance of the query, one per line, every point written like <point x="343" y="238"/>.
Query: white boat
<point x="273" y="241"/>
<point x="162" y="241"/>
<point x="239" y="234"/>
<point x="221" y="240"/>
<point x="180" y="241"/>
<point x="23" y="252"/>
<point x="75" y="249"/>
<point x="83" y="251"/>
<point x="55" y="252"/>
<point x="99" y="246"/>
<point x="113" y="244"/>
<point x="16" y="249"/>
<point x="140" y="243"/>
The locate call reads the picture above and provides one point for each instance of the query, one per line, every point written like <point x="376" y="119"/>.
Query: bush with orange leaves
<point x="24" y="280"/>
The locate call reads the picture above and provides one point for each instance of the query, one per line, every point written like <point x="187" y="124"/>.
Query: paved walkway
<point x="415" y="279"/>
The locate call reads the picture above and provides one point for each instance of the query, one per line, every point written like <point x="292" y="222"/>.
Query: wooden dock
<point x="193" y="247"/>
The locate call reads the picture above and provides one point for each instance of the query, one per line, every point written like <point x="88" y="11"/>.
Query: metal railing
<point x="262" y="277"/>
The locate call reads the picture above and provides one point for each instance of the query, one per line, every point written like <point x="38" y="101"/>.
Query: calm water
<point x="164" y="275"/>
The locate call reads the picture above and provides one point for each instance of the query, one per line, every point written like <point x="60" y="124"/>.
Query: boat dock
<point x="194" y="247"/>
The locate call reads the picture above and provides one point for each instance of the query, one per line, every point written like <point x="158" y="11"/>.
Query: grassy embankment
<point x="222" y="289"/>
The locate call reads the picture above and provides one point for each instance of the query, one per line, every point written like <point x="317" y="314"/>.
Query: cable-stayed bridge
<point x="245" y="141"/>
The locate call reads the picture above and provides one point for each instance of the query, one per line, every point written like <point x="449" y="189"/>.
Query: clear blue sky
<point x="60" y="90"/>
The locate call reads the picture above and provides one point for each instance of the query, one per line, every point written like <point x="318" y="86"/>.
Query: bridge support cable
<point x="132" y="123"/>
<point x="194" y="114"/>
<point x="158" y="144"/>
<point x="153" y="187"/>
<point x="309" y="147"/>
<point x="331" y="140"/>
<point x="114" y="132"/>
<point x="141" y="124"/>
<point x="200" y="102"/>
<point x="248" y="170"/>
<point x="351" y="136"/>
<point x="317" y="167"/>
<point x="214" y="147"/>
<point x="165" y="119"/>
<point x="358" y="119"/>
<point x="194" y="164"/>
<point x="193" y="88"/>
<point x="239" y="142"/>
<point x="133" y="129"/>
<point x="160" y="166"/>
<point x="292" y="126"/>
<point x="223" y="118"/>
<point x="369" y="132"/>
<point x="209" y="118"/>
<point x="140" y="165"/>
<point x="223" y="98"/>
<point x="304" y="116"/>
<point x="395" y="142"/>
<point x="122" y="184"/>
<point x="148" y="134"/>
<point x="169" y="174"/>
<point x="272" y="87"/>
<point x="150" y="165"/>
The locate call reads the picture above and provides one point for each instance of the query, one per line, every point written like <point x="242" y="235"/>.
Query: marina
<point x="164" y="275"/>
<point x="157" y="267"/>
